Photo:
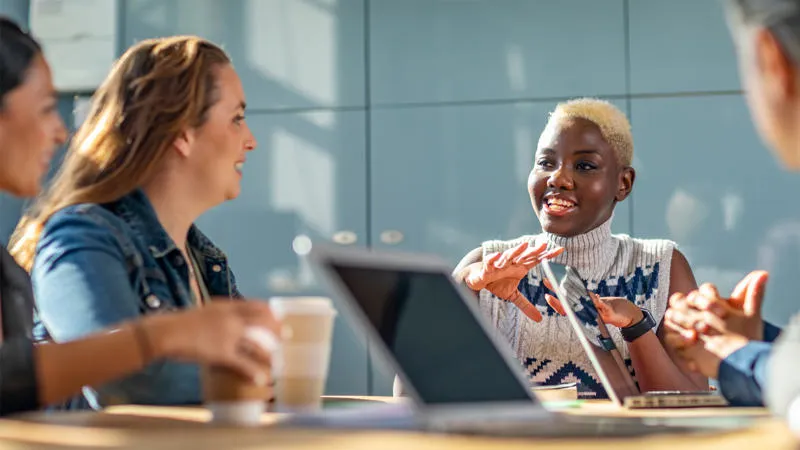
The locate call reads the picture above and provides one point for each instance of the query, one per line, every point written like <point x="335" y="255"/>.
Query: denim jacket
<point x="99" y="265"/>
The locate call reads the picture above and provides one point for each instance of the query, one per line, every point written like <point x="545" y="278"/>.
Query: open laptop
<point x="603" y="353"/>
<point x="459" y="377"/>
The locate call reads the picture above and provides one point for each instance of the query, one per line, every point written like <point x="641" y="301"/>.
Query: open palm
<point x="500" y="274"/>
<point x="509" y="266"/>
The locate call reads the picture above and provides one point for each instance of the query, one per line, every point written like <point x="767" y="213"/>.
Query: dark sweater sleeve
<point x="18" y="388"/>
<point x="771" y="332"/>
<point x="742" y="375"/>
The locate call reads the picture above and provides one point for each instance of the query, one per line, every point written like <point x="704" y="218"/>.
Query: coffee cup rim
<point x="303" y="304"/>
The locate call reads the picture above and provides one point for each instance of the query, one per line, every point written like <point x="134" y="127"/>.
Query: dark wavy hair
<point x="17" y="50"/>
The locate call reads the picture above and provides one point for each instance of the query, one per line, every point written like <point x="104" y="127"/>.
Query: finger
<point x="555" y="304"/>
<point x="536" y="251"/>
<point x="531" y="255"/>
<point x="755" y="293"/>
<point x="512" y="254"/>
<point x="706" y="301"/>
<point x="739" y="292"/>
<point x="676" y="341"/>
<point x="264" y="340"/>
<point x="491" y="262"/>
<point x="541" y="247"/>
<point x="530" y="263"/>
<point x="683" y="319"/>
<point x="525" y="256"/>
<point x="598" y="303"/>
<point x="256" y="353"/>
<point x="525" y="306"/>
<point x="689" y="334"/>
<point x="677" y="301"/>
<point x="708" y="322"/>
<point x="552" y="253"/>
<point x="547" y="284"/>
<point x="691" y="298"/>
<point x="709" y="290"/>
<point x="257" y="313"/>
<point x="536" y="259"/>
<point x="258" y="374"/>
<point x="516" y="251"/>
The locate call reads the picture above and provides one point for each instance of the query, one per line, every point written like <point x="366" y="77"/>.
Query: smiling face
<point x="221" y="144"/>
<point x="577" y="178"/>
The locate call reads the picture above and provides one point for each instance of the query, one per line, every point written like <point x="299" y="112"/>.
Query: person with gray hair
<point x="726" y="338"/>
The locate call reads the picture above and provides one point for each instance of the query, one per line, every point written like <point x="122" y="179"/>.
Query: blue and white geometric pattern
<point x="638" y="288"/>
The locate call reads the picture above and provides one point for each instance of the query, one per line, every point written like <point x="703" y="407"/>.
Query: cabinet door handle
<point x="392" y="237"/>
<point x="345" y="237"/>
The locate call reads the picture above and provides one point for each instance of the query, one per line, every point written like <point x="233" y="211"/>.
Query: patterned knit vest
<point x="609" y="265"/>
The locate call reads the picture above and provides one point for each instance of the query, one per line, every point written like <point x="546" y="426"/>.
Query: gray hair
<point x="781" y="17"/>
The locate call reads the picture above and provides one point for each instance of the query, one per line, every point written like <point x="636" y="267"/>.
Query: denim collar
<point x="138" y="212"/>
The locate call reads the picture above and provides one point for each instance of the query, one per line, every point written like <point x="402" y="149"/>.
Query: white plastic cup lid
<point x="302" y="305"/>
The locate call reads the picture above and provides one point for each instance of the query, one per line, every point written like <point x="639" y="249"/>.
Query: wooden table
<point x="183" y="427"/>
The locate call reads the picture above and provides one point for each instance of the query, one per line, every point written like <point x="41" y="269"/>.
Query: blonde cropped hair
<point x="613" y="124"/>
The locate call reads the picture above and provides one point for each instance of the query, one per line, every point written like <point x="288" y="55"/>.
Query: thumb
<point x="754" y="296"/>
<point x="740" y="291"/>
<point x="598" y="302"/>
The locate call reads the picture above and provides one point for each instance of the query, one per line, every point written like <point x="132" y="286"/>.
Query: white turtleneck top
<point x="610" y="265"/>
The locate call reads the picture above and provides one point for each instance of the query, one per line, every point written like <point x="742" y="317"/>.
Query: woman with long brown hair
<point x="36" y="375"/>
<point x="113" y="239"/>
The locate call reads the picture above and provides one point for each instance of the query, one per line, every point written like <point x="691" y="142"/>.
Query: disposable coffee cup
<point x="301" y="368"/>
<point x="232" y="398"/>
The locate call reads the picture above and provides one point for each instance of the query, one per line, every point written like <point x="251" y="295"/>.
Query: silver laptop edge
<point x="576" y="326"/>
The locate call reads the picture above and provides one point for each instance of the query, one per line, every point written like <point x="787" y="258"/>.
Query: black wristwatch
<point x="636" y="330"/>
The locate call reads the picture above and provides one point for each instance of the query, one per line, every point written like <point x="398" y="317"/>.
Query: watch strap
<point x="638" y="329"/>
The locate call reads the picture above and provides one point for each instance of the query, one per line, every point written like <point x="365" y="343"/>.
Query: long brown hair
<point x="154" y="92"/>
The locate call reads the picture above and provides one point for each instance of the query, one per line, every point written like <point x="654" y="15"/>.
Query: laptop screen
<point x="434" y="337"/>
<point x="602" y="350"/>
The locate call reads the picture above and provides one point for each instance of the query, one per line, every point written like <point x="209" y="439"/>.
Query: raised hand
<point x="500" y="274"/>
<point x="616" y="311"/>
<point x="513" y="263"/>
<point x="704" y="328"/>
<point x="741" y="312"/>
